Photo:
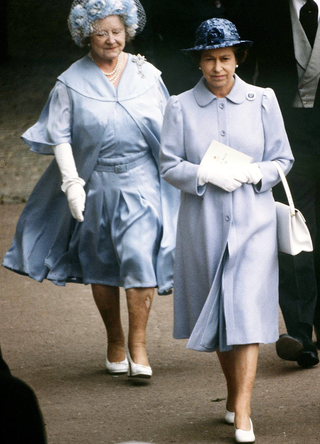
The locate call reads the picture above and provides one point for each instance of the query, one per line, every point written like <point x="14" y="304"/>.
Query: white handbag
<point x="292" y="231"/>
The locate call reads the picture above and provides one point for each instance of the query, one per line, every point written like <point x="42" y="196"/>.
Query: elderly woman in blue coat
<point x="102" y="122"/>
<point x="226" y="269"/>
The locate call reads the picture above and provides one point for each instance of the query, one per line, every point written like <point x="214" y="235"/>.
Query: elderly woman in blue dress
<point x="102" y="122"/>
<point x="226" y="269"/>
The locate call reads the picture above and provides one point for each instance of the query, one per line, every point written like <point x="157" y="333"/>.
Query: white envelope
<point x="223" y="154"/>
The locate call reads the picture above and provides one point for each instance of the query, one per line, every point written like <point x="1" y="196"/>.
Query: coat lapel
<point x="302" y="47"/>
<point x="313" y="68"/>
<point x="307" y="57"/>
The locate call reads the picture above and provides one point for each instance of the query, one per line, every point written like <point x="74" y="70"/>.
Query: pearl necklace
<point x="113" y="75"/>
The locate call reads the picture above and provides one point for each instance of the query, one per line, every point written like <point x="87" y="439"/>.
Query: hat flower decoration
<point x="97" y="9"/>
<point x="84" y="14"/>
<point x="217" y="33"/>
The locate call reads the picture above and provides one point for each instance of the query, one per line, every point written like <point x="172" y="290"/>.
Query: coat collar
<point x="204" y="97"/>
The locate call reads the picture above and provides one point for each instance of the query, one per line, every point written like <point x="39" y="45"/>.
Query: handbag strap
<point x="286" y="188"/>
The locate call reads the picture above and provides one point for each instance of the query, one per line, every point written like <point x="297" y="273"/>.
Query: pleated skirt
<point x="118" y="241"/>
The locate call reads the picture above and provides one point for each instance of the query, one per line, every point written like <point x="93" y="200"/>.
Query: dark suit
<point x="268" y="24"/>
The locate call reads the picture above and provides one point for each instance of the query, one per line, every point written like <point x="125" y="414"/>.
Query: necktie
<point x="309" y="19"/>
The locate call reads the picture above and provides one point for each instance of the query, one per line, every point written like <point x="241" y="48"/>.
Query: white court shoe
<point x="229" y="417"/>
<point x="138" y="370"/>
<point x="117" y="368"/>
<point x="245" y="435"/>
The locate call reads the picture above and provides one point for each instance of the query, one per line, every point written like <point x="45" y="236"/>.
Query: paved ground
<point x="54" y="340"/>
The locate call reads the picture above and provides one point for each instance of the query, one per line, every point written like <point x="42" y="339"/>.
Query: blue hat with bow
<point x="217" y="33"/>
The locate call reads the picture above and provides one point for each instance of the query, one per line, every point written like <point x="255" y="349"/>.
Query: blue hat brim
<point x="224" y="44"/>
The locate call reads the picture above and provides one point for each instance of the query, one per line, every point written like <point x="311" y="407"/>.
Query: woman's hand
<point x="228" y="177"/>
<point x="252" y="172"/>
<point x="76" y="199"/>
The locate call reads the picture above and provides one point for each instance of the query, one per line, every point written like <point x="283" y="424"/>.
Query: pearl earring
<point x="200" y="68"/>
<point x="237" y="66"/>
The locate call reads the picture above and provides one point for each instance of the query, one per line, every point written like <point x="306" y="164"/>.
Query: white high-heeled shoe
<point x="117" y="368"/>
<point x="229" y="417"/>
<point x="245" y="435"/>
<point x="138" y="370"/>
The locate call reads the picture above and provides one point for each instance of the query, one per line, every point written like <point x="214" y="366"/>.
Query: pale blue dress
<point x="118" y="241"/>
<point x="127" y="238"/>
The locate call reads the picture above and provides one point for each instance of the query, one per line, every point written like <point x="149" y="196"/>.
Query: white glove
<point x="72" y="184"/>
<point x="76" y="199"/>
<point x="252" y="172"/>
<point x="228" y="177"/>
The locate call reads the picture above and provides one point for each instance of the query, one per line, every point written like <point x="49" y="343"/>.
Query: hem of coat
<point x="229" y="347"/>
<point x="180" y="336"/>
<point x="204" y="349"/>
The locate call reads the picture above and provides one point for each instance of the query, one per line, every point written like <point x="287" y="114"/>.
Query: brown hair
<point x="240" y="53"/>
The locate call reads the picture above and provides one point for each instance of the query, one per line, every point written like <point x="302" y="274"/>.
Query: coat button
<point x="223" y="133"/>
<point x="227" y="218"/>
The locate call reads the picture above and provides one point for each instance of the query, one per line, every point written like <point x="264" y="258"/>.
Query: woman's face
<point x="218" y="67"/>
<point x="110" y="39"/>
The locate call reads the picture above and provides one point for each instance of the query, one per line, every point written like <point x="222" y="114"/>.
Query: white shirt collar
<point x="299" y="3"/>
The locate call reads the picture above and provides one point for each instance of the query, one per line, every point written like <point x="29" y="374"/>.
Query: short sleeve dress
<point x="127" y="237"/>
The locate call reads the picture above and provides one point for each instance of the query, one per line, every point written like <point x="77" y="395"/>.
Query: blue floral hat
<point x="217" y="33"/>
<point x="84" y="14"/>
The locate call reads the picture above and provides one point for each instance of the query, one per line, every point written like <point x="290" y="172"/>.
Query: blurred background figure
<point x="286" y="57"/>
<point x="21" y="417"/>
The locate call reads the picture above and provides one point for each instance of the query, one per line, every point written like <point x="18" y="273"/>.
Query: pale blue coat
<point x="226" y="269"/>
